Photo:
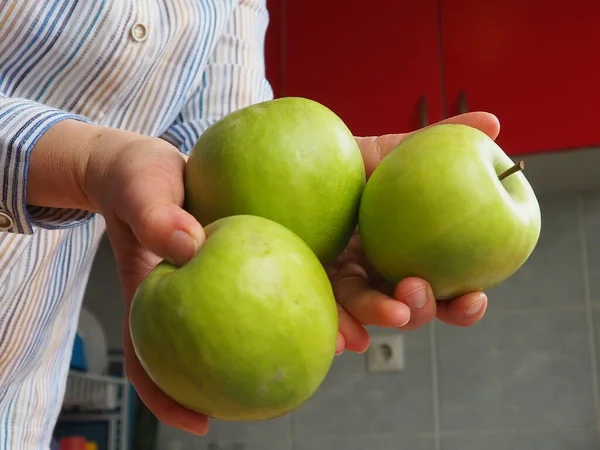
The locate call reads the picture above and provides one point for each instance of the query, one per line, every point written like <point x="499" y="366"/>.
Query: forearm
<point x="44" y="164"/>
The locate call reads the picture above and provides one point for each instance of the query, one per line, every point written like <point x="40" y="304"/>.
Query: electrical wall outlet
<point x="385" y="354"/>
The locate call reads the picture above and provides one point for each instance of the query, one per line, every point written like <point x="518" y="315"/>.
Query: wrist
<point x="67" y="159"/>
<point x="57" y="164"/>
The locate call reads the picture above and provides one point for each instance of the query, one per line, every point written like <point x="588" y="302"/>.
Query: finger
<point x="417" y="295"/>
<point x="483" y="121"/>
<point x="368" y="306"/>
<point x="356" y="338"/>
<point x="463" y="311"/>
<point x="340" y="344"/>
<point x="163" y="407"/>
<point x="152" y="206"/>
<point x="164" y="228"/>
<point x="374" y="149"/>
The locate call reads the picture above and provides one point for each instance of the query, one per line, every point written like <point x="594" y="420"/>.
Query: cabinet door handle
<point x="423" y="116"/>
<point x="462" y="103"/>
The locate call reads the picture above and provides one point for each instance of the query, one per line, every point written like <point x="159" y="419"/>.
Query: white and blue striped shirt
<point x="185" y="64"/>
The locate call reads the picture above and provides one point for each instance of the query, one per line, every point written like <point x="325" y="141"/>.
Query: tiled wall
<point x="525" y="378"/>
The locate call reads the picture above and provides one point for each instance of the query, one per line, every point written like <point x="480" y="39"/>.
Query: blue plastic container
<point x="78" y="361"/>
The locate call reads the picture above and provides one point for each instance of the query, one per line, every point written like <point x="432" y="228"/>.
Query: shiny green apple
<point x="246" y="330"/>
<point x="291" y="160"/>
<point x="448" y="205"/>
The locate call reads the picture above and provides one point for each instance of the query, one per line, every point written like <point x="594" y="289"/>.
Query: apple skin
<point x="435" y="208"/>
<point x="291" y="160"/>
<point x="246" y="330"/>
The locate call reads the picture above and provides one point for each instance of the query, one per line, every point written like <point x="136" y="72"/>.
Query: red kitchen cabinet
<point x="532" y="63"/>
<point x="375" y="64"/>
<point x="389" y="66"/>
<point x="273" y="46"/>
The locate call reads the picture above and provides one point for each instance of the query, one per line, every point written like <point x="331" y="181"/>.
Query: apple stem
<point x="518" y="167"/>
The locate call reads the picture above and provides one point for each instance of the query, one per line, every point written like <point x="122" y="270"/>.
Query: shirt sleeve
<point x="22" y="122"/>
<point x="234" y="76"/>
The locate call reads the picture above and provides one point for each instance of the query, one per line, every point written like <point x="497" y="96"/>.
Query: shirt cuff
<point x="22" y="123"/>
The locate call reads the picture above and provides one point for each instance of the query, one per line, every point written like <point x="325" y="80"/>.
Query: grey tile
<point x="170" y="438"/>
<point x="548" y="380"/>
<point x="591" y="223"/>
<point x="250" y="445"/>
<point x="565" y="440"/>
<point x="229" y="431"/>
<point x="471" y="375"/>
<point x="596" y="328"/>
<point x="475" y="442"/>
<point x="374" y="443"/>
<point x="516" y="371"/>
<point x="352" y="402"/>
<point x="173" y="439"/>
<point x="249" y="433"/>
<point x="553" y="275"/>
<point x="586" y="439"/>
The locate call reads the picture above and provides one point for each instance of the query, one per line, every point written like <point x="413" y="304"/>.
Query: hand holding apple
<point x="246" y="330"/>
<point x="135" y="182"/>
<point x="288" y="138"/>
<point x="365" y="298"/>
<point x="276" y="161"/>
<point x="447" y="204"/>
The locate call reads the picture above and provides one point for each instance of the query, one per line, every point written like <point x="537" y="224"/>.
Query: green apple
<point x="246" y="330"/>
<point x="291" y="160"/>
<point x="448" y="205"/>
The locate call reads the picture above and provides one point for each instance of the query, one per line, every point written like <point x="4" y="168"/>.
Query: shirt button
<point x="139" y="32"/>
<point x="6" y="221"/>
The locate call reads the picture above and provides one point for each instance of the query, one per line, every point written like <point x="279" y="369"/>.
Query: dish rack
<point x="87" y="392"/>
<point x="98" y="398"/>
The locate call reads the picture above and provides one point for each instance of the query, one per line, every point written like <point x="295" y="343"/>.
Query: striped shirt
<point x="161" y="68"/>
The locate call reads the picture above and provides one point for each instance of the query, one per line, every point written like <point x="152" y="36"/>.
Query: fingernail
<point x="475" y="308"/>
<point x="182" y="247"/>
<point x="417" y="298"/>
<point x="199" y="427"/>
<point x="340" y="345"/>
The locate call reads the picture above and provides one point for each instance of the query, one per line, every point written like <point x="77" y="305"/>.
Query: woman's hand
<point x="365" y="299"/>
<point x="136" y="183"/>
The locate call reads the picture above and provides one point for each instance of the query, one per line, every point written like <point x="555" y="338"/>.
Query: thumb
<point x="164" y="228"/>
<point x="483" y="121"/>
